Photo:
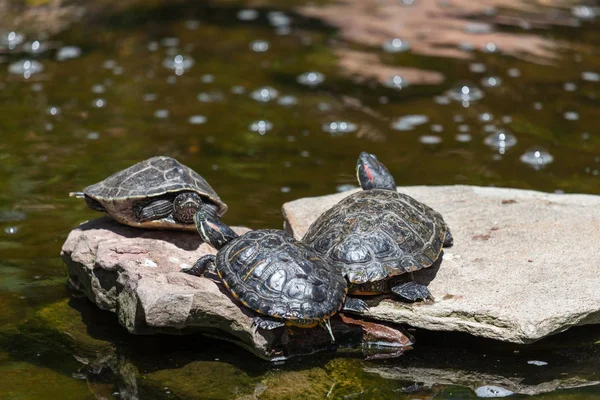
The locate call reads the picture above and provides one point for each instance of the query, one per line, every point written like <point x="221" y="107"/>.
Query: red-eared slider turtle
<point x="270" y="272"/>
<point x="159" y="192"/>
<point x="377" y="234"/>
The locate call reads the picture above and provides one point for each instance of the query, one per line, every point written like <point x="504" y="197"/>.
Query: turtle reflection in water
<point x="270" y="272"/>
<point x="376" y="235"/>
<point x="159" y="192"/>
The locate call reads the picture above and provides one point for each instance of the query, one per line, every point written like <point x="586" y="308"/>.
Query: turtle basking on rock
<point x="267" y="270"/>
<point x="159" y="192"/>
<point x="376" y="235"/>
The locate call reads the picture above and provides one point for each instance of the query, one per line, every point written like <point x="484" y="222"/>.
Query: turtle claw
<point x="354" y="305"/>
<point x="201" y="266"/>
<point x="412" y="291"/>
<point x="267" y="323"/>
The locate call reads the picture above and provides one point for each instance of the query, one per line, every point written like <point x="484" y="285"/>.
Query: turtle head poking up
<point x="372" y="174"/>
<point x="211" y="229"/>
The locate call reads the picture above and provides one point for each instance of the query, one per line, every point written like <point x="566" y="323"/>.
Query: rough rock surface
<point x="524" y="264"/>
<point x="135" y="274"/>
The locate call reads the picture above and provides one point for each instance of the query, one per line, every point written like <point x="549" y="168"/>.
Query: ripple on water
<point x="408" y="122"/>
<point x="396" y="82"/>
<point x="53" y="110"/>
<point x="35" y="47"/>
<point x="264" y="94"/>
<point x="430" y="139"/>
<point x="11" y="40"/>
<point x="179" y="63"/>
<point x="68" y="53"/>
<point x="336" y="128"/>
<point x="197" y="119"/>
<point x="396" y="45"/>
<point x="491" y="81"/>
<point x="465" y="91"/>
<point x="259" y="46"/>
<point x="537" y="157"/>
<point x="312" y="78"/>
<point x="501" y="140"/>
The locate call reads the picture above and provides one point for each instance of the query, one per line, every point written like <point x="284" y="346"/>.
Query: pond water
<point x="271" y="103"/>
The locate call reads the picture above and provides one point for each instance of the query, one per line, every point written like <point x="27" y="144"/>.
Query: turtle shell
<point x="274" y="274"/>
<point x="152" y="178"/>
<point x="376" y="234"/>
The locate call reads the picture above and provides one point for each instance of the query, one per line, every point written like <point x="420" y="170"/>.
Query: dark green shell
<point x="376" y="234"/>
<point x="152" y="178"/>
<point x="274" y="274"/>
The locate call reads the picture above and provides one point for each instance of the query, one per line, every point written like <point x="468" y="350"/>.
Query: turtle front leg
<point x="412" y="291"/>
<point x="205" y="263"/>
<point x="354" y="305"/>
<point x="154" y="210"/>
<point x="267" y="323"/>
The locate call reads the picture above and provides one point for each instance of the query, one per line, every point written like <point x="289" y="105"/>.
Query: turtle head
<point x="211" y="229"/>
<point x="372" y="174"/>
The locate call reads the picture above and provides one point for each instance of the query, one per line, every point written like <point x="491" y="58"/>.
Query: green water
<point x="55" y="345"/>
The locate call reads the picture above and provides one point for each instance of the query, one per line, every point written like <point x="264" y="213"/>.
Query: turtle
<point x="270" y="272"/>
<point x="375" y="235"/>
<point x="159" y="192"/>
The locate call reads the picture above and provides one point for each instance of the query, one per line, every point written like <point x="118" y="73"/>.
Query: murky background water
<point x="270" y="103"/>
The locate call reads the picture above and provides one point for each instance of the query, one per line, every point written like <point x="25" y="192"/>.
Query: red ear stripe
<point x="369" y="173"/>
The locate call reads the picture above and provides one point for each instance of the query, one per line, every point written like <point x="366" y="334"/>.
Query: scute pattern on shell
<point x="375" y="234"/>
<point x="152" y="177"/>
<point x="274" y="274"/>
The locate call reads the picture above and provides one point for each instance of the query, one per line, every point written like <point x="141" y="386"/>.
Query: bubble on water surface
<point x="150" y="97"/>
<point x="465" y="92"/>
<point x="278" y="19"/>
<point x="98" y="89"/>
<point x="514" y="72"/>
<point x="312" y="78"/>
<point x="537" y="363"/>
<point x="408" y="122"/>
<point x="436" y="128"/>
<point x="26" y="68"/>
<point x="396" y="82"/>
<point x="590" y="76"/>
<point x="161" y="114"/>
<point x="35" y="47"/>
<point x="464" y="128"/>
<point x="261" y="126"/>
<point x="53" y="110"/>
<point x="287" y="101"/>
<point x="11" y="230"/>
<point x="490" y="47"/>
<point x="492" y="81"/>
<point x="571" y="116"/>
<point x="477" y="68"/>
<point x="430" y="139"/>
<point x="264" y="94"/>
<point x="485" y="117"/>
<point x="109" y="64"/>
<point x="335" y="128"/>
<point x="179" y="63"/>
<point x="537" y="157"/>
<point x="569" y="86"/>
<point x="197" y="119"/>
<point x="259" y="46"/>
<point x="247" y="15"/>
<point x="68" y="53"/>
<point x="501" y="139"/>
<point x="396" y="45"/>
<point x="463" y="137"/>
<point x="11" y="40"/>
<point x="238" y="89"/>
<point x="491" y="391"/>
<point x="207" y="78"/>
<point x="211" y="97"/>
<point x="99" y="103"/>
<point x="538" y="106"/>
<point x="93" y="135"/>
<point x="285" y="189"/>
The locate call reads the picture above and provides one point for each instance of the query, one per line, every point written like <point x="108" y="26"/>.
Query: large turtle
<point x="377" y="234"/>
<point x="159" y="192"/>
<point x="270" y="272"/>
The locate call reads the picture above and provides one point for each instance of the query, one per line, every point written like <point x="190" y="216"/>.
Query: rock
<point x="135" y="273"/>
<point x="524" y="264"/>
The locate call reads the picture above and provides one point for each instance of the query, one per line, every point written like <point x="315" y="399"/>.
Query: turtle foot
<point x="411" y="291"/>
<point x="200" y="267"/>
<point x="352" y="304"/>
<point x="267" y="323"/>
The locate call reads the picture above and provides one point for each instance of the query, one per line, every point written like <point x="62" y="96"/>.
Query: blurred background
<point x="272" y="100"/>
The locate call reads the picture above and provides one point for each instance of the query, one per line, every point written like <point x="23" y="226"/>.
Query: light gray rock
<point x="135" y="273"/>
<point x="524" y="264"/>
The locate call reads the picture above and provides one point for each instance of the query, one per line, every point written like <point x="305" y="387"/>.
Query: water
<point x="67" y="124"/>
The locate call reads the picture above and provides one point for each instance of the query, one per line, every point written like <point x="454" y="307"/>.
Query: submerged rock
<point x="135" y="274"/>
<point x="524" y="264"/>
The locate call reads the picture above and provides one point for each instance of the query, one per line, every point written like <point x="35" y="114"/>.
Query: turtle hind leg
<point x="412" y="291"/>
<point x="156" y="209"/>
<point x="354" y="305"/>
<point x="267" y="323"/>
<point x="448" y="240"/>
<point x="205" y="263"/>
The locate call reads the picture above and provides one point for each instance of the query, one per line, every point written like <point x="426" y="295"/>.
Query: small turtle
<point x="377" y="234"/>
<point x="270" y="272"/>
<point x="159" y="192"/>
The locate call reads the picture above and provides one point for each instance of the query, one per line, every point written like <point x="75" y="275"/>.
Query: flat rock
<point x="135" y="273"/>
<point x="524" y="264"/>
